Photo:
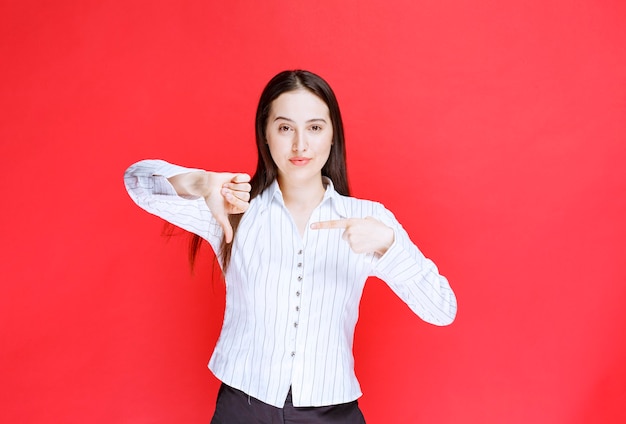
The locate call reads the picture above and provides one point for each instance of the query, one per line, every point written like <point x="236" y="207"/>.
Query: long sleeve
<point x="415" y="278"/>
<point x="147" y="184"/>
<point x="291" y="300"/>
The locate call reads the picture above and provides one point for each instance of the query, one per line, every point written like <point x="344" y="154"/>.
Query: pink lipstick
<point x="299" y="161"/>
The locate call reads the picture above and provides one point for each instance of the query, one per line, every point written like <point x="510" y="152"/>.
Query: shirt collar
<point x="337" y="201"/>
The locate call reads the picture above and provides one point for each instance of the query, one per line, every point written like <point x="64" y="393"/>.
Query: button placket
<point x="298" y="293"/>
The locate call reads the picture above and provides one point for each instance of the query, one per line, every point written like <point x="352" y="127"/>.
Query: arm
<point x="224" y="193"/>
<point x="398" y="262"/>
<point x="415" y="278"/>
<point x="195" y="200"/>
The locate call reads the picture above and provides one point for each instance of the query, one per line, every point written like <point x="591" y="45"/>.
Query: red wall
<point x="495" y="131"/>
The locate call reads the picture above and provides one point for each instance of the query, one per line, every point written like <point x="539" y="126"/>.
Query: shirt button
<point x="297" y="293"/>
<point x="299" y="278"/>
<point x="300" y="265"/>
<point x="297" y="308"/>
<point x="293" y="354"/>
<point x="295" y="324"/>
<point x="300" y="252"/>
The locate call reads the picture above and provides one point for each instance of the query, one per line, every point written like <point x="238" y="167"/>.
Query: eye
<point x="283" y="128"/>
<point x="316" y="128"/>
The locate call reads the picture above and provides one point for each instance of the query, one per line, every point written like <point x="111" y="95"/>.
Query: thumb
<point x="226" y="227"/>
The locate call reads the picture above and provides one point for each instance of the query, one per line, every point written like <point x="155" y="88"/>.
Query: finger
<point x="242" y="195"/>
<point x="241" y="187"/>
<point x="235" y="201"/>
<point x="241" y="178"/>
<point x="333" y="224"/>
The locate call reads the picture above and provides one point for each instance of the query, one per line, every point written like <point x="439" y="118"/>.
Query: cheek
<point x="272" y="152"/>
<point x="275" y="150"/>
<point x="324" y="152"/>
<point x="327" y="144"/>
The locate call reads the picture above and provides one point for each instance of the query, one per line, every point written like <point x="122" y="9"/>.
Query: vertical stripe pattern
<point x="292" y="302"/>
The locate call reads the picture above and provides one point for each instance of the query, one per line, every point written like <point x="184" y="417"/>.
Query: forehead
<point x="299" y="105"/>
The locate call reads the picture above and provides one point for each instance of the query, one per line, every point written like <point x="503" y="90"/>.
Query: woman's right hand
<point x="225" y="193"/>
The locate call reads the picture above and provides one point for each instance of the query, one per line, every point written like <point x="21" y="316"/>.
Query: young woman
<point x="295" y="250"/>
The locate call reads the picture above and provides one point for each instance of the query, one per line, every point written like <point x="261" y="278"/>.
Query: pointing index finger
<point x="337" y="223"/>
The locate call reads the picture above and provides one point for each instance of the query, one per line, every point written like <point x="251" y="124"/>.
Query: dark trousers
<point x="235" y="407"/>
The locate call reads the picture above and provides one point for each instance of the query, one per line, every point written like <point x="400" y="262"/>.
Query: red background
<point x="494" y="130"/>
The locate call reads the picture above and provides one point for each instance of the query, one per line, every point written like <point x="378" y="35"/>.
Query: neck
<point x="302" y="195"/>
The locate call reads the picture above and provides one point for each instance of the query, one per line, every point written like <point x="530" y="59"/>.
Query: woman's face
<point x="299" y="133"/>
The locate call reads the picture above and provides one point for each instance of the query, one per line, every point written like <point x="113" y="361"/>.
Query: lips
<point x="299" y="161"/>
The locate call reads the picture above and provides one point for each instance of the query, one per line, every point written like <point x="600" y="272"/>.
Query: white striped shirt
<point x="292" y="302"/>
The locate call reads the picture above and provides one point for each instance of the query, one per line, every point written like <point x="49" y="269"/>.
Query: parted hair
<point x="266" y="170"/>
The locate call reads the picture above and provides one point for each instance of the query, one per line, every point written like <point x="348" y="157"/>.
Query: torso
<point x="300" y="217"/>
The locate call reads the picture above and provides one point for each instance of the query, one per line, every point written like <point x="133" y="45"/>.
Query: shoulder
<point x="354" y="207"/>
<point x="360" y="208"/>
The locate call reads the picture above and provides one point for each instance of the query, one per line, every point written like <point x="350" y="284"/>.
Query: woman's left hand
<point x="364" y="235"/>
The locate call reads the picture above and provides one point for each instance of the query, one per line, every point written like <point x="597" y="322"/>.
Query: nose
<point x="300" y="144"/>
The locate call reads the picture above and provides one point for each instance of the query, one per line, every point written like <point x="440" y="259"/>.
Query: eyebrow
<point x="291" y="120"/>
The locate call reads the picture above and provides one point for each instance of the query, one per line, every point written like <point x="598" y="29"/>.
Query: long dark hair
<point x="266" y="171"/>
